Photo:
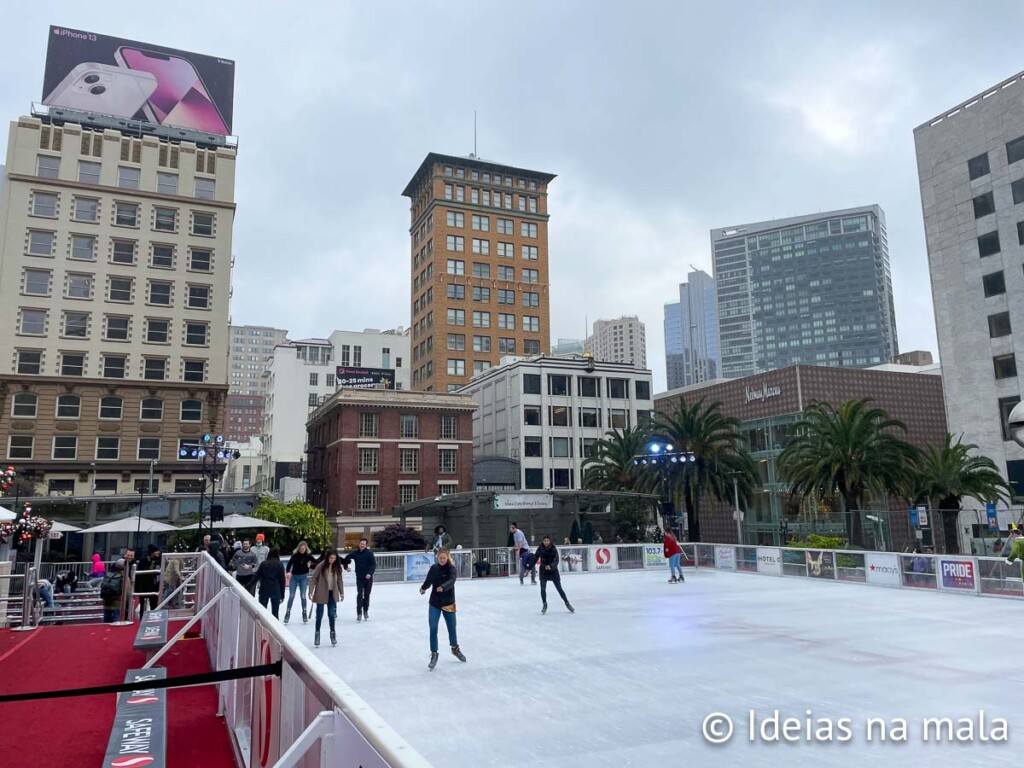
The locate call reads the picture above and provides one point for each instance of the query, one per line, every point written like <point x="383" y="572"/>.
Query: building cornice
<point x="121" y="192"/>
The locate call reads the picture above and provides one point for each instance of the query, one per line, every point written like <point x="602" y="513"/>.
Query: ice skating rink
<point x="629" y="678"/>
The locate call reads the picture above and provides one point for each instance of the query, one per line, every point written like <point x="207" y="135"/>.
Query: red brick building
<point x="371" y="450"/>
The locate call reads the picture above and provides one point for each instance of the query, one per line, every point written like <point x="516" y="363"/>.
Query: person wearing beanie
<point x="261" y="549"/>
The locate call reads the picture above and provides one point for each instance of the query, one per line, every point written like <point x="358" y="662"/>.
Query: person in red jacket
<point x="674" y="553"/>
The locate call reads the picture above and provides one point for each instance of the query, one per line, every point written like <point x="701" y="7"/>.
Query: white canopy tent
<point x="238" y="522"/>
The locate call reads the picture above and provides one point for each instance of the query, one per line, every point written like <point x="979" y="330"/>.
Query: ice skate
<point x="334" y="638"/>
<point x="316" y="639"/>
<point x="287" y="615"/>
<point x="305" y="618"/>
<point x="366" y="615"/>
<point x="569" y="606"/>
<point x="359" y="615"/>
<point x="433" y="660"/>
<point x="544" y="608"/>
<point x="681" y="579"/>
<point x="457" y="653"/>
<point x="672" y="580"/>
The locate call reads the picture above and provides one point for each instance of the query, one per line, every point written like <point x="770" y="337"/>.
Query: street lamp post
<point x="664" y="458"/>
<point x="738" y="513"/>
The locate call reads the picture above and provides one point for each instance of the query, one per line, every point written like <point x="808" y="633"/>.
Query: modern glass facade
<point x="815" y="290"/>
<point x="691" y="333"/>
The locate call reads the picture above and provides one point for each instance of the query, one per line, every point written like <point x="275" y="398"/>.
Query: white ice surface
<point x="628" y="679"/>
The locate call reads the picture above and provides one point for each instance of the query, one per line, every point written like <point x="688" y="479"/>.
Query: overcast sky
<point x="661" y="120"/>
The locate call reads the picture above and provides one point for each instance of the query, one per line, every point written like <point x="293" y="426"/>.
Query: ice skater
<point x="298" y="578"/>
<point x="522" y="547"/>
<point x="547" y="562"/>
<point x="443" y="539"/>
<point x="1016" y="551"/>
<point x="327" y="590"/>
<point x="674" y="553"/>
<point x="366" y="565"/>
<point x="441" y="583"/>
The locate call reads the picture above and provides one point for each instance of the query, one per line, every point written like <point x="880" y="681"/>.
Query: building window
<point x="368" y="461"/>
<point x="482" y="247"/>
<point x="528" y="229"/>
<point x="368" y="425"/>
<point x="1014" y="150"/>
<point x="481" y="343"/>
<point x="618" y="418"/>
<point x="449" y="427"/>
<point x="590" y="417"/>
<point x="88" y="173"/>
<point x="206" y="189"/>
<point x="154" y="368"/>
<point x="506" y="251"/>
<point x="165" y="220"/>
<point x="531" y="276"/>
<point x="25" y="405"/>
<point x="446" y="461"/>
<point x="86" y="210"/>
<point x="47" y="167"/>
<point x="312" y="400"/>
<point x="531" y="323"/>
<point x="194" y="370"/>
<point x="37" y="282"/>
<point x="618" y="389"/>
<point x="108" y="449"/>
<point x="79" y="286"/>
<point x="126" y="214"/>
<point x="506" y="322"/>
<point x="457" y="292"/>
<point x="149" y="448"/>
<point x="29" y="362"/>
<point x="167" y="183"/>
<point x="83" y="248"/>
<point x="191" y="410"/>
<point x="117" y="328"/>
<point x="197" y="334"/>
<point x="120" y="289"/>
<point x="481" y="319"/>
<point x="1006" y="405"/>
<point x="481" y="270"/>
<point x="33" y="322"/>
<point x="481" y="223"/>
<point x="72" y="364"/>
<point x="456" y="267"/>
<point x="111" y="407"/>
<point x="200" y="260"/>
<point x="455" y="219"/>
<point x="456" y="317"/>
<point x="506" y="345"/>
<point x="988" y="244"/>
<point x="506" y="227"/>
<point x="588" y="386"/>
<point x="20" y="447"/>
<point x="366" y="498"/>
<point x="199" y="297"/>
<point x="1005" y="366"/>
<point x="530" y="252"/>
<point x="561" y="478"/>
<point x="456" y="243"/>
<point x="561" y="447"/>
<point x="533" y="479"/>
<point x="531" y="415"/>
<point x="481" y="294"/>
<point x="202" y="224"/>
<point x="643" y="389"/>
<point x="408" y="461"/>
<point x="40" y="243"/>
<point x="456" y="342"/>
<point x="456" y="367"/>
<point x="999" y="325"/>
<point x="409" y="426"/>
<point x="558" y="416"/>
<point x="407" y="493"/>
<point x="532" y="447"/>
<point x="993" y="284"/>
<point x="984" y="205"/>
<point x="151" y="409"/>
<point x="506" y="297"/>
<point x="65" y="447"/>
<point x="160" y="293"/>
<point x="76" y="325"/>
<point x="128" y="178"/>
<point x="978" y="166"/>
<point x="449" y="191"/>
<point x="531" y="383"/>
<point x="158" y="331"/>
<point x="507" y="273"/>
<point x="44" y="204"/>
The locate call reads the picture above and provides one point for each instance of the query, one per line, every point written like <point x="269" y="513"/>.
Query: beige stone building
<point x="480" y="285"/>
<point x="115" y="278"/>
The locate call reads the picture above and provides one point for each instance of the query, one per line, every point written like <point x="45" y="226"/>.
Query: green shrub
<point x="814" y="541"/>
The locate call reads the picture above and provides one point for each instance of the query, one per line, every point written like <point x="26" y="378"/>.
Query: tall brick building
<point x="479" y="240"/>
<point x="371" y="450"/>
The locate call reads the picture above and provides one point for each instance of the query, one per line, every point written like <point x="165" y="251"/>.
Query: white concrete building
<point x="622" y="340"/>
<point x="303" y="374"/>
<point x="970" y="162"/>
<point x="241" y="473"/>
<point x="548" y="413"/>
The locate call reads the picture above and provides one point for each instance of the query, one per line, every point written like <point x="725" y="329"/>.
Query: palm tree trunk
<point x="692" y="512"/>
<point x="854" y="526"/>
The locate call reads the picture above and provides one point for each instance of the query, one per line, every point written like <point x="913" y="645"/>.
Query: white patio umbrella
<point x="235" y="521"/>
<point x="64" y="528"/>
<point x="6" y="514"/>
<point x="131" y="525"/>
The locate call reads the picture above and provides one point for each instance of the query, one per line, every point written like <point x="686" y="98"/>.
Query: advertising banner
<point x="725" y="558"/>
<point x="513" y="501"/>
<point x="654" y="556"/>
<point x="604" y="559"/>
<point x="958" y="575"/>
<point x="138" y="81"/>
<point x="882" y="569"/>
<point x="139" y="735"/>
<point x="573" y="559"/>
<point x="365" y="378"/>
<point x="416" y="566"/>
<point x="820" y="565"/>
<point x="769" y="560"/>
<point x="265" y="746"/>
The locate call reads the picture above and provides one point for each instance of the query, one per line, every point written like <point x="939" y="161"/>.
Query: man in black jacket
<point x="366" y="564"/>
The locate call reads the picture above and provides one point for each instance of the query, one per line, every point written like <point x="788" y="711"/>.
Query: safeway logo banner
<point x="882" y="569"/>
<point x="139" y="736"/>
<point x="605" y="559"/>
<point x="958" y="575"/>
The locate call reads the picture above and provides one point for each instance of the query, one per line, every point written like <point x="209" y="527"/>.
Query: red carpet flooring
<point x="66" y="732"/>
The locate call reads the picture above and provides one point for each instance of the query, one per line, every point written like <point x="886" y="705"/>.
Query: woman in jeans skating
<point x="441" y="583"/>
<point x="674" y="553"/>
<point x="298" y="570"/>
<point x="326" y="590"/>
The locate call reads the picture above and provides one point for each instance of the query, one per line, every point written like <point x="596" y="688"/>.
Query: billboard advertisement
<point x="506" y="501"/>
<point x="958" y="575"/>
<point x="365" y="378"/>
<point x="138" y="81"/>
<point x="883" y="569"/>
<point x="820" y="565"/>
<point x="769" y="560"/>
<point x="725" y="558"/>
<point x="654" y="556"/>
<point x="417" y="566"/>
<point x="605" y="559"/>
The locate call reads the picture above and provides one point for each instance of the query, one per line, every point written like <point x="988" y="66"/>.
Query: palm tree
<point x="610" y="466"/>
<point x="720" y="457"/>
<point x="850" y="452"/>
<point x="947" y="473"/>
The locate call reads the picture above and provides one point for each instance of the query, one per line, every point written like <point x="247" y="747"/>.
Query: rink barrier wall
<point x="308" y="716"/>
<point x="958" y="574"/>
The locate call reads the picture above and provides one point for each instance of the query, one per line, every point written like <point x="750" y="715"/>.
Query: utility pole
<point x="738" y="514"/>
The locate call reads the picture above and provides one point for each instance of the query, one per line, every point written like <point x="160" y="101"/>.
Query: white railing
<point x="306" y="717"/>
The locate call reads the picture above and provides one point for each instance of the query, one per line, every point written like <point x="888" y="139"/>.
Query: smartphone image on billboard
<point x="101" y="88"/>
<point x="181" y="98"/>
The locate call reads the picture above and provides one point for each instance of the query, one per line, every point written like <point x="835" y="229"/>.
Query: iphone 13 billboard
<point x="123" y="78"/>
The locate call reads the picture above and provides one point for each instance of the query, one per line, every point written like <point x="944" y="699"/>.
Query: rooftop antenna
<point x="474" y="134"/>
